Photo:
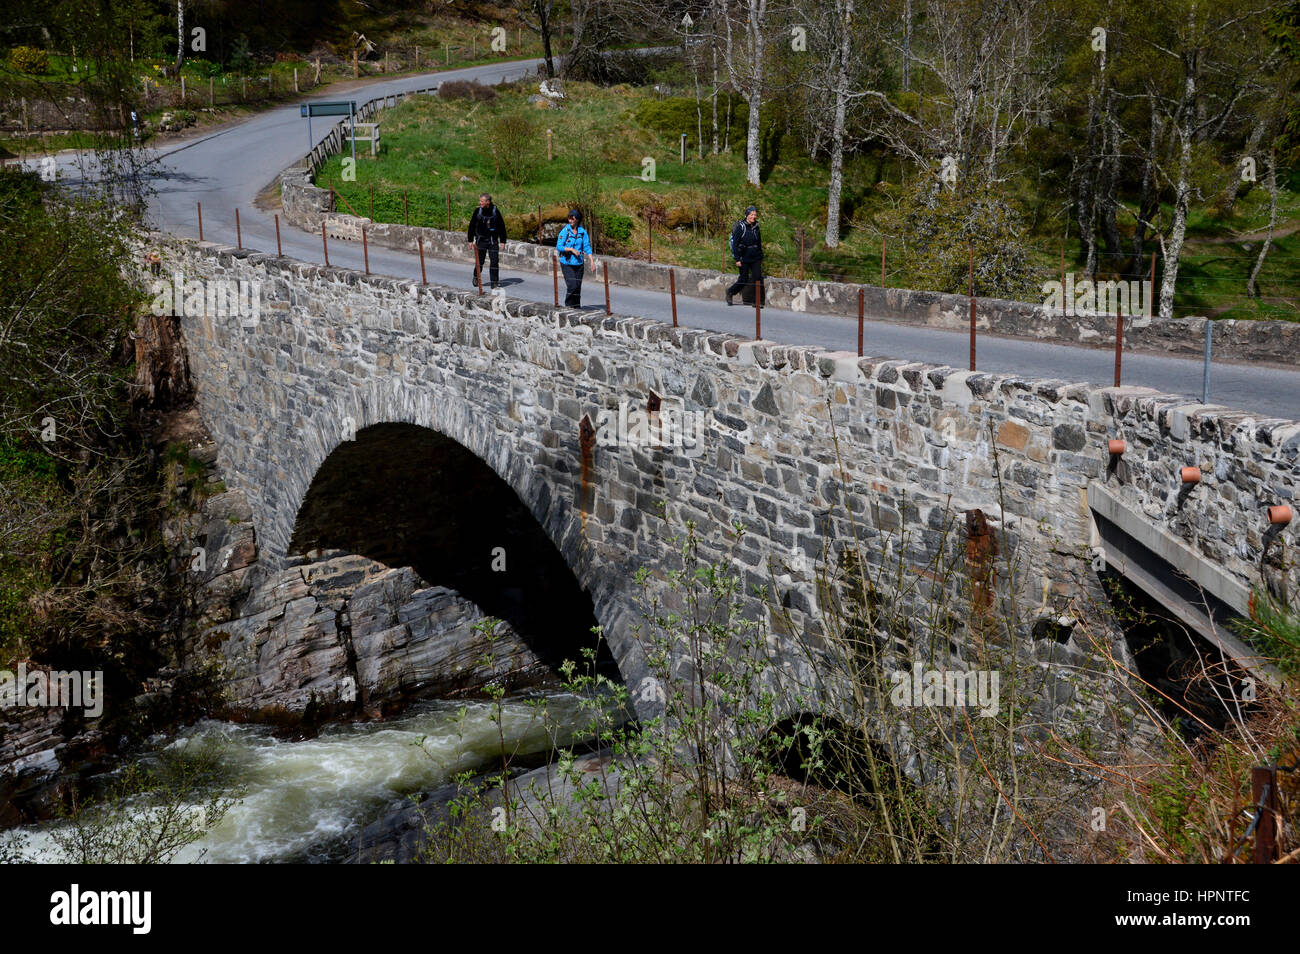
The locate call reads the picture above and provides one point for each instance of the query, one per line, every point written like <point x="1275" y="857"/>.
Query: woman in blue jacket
<point x="573" y="244"/>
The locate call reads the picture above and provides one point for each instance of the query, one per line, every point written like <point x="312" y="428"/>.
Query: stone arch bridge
<point x="375" y="413"/>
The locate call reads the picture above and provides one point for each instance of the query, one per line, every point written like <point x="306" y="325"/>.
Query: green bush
<point x="28" y="59"/>
<point x="676" y="115"/>
<point x="616" y="227"/>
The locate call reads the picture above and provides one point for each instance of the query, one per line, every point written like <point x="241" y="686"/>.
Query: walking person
<point x="746" y="246"/>
<point x="487" y="234"/>
<point x="573" y="244"/>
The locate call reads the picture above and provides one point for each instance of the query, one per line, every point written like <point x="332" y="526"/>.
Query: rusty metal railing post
<point x="1119" y="341"/>
<point x="279" y="249"/>
<point x="365" y="249"/>
<point x="200" y="205"/>
<point x="971" y="250"/>
<point x="555" y="278"/>
<point x="325" y="244"/>
<point x="605" y="268"/>
<point x="478" y="268"/>
<point x="1263" y="792"/>
<point x="672" y="292"/>
<point x="419" y="241"/>
<point x="758" y="310"/>
<point x="862" y="308"/>
<point x="239" y="233"/>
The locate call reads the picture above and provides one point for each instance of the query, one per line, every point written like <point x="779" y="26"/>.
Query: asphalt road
<point x="227" y="169"/>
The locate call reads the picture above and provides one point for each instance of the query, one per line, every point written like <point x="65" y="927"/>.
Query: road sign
<point x="342" y="107"/>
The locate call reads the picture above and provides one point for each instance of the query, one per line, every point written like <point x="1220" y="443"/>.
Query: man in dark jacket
<point x="747" y="249"/>
<point x="487" y="234"/>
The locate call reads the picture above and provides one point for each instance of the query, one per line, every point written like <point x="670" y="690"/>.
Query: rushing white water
<point x="307" y="800"/>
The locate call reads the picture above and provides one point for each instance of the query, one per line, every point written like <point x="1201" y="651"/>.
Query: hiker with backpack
<point x="572" y="244"/>
<point x="746" y="245"/>
<point x="487" y="233"/>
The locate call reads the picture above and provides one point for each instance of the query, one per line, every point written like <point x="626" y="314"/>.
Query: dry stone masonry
<point x="802" y="447"/>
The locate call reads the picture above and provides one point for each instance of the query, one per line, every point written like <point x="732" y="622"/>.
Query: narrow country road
<point x="227" y="169"/>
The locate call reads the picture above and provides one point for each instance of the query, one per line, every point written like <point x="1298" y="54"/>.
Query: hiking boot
<point x="729" y="297"/>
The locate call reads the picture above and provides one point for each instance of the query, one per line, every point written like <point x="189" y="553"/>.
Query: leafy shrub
<point x="616" y="227"/>
<point x="944" y="226"/>
<point x="464" y="89"/>
<point x="512" y="137"/>
<point x="28" y="59"/>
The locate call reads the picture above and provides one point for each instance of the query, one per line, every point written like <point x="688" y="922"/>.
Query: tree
<point x="745" y="65"/>
<point x="1203" y="64"/>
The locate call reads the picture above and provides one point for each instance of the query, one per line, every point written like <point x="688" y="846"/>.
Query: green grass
<point x="432" y="148"/>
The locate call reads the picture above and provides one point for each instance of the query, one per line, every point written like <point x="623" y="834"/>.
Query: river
<point x="305" y="801"/>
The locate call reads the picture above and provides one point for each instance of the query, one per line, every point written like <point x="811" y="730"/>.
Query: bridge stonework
<point x="801" y="446"/>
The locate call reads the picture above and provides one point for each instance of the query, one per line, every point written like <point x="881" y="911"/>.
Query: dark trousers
<point x="492" y="254"/>
<point x="751" y="273"/>
<point x="572" y="285"/>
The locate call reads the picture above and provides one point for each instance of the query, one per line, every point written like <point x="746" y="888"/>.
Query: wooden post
<point x="1064" y="304"/>
<point x="324" y="242"/>
<point x="605" y="266"/>
<point x="365" y="249"/>
<point x="182" y="89"/>
<point x="447" y="50"/>
<point x="356" y="69"/>
<point x="478" y="269"/>
<point x="406" y="209"/>
<point x="200" y="205"/>
<point x="417" y="59"/>
<point x="550" y="157"/>
<point x="672" y="292"/>
<point x="386" y="61"/>
<point x="1151" y="304"/>
<point x="971" y="250"/>
<point x="555" y="277"/>
<point x="861" y="314"/>
<point x="279" y="250"/>
<point x="473" y="45"/>
<point x="239" y="235"/>
<point x="295" y="79"/>
<point x="884" y="240"/>
<point x="1119" y="340"/>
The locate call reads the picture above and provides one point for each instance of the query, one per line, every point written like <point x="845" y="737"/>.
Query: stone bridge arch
<point x="352" y="415"/>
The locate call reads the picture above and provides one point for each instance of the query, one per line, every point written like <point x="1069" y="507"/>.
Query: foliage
<point x="674" y="115"/>
<point x="943" y="226"/>
<point x="512" y="137"/>
<point x="28" y="59"/>
<point x="617" y="227"/>
<point x="470" y="90"/>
